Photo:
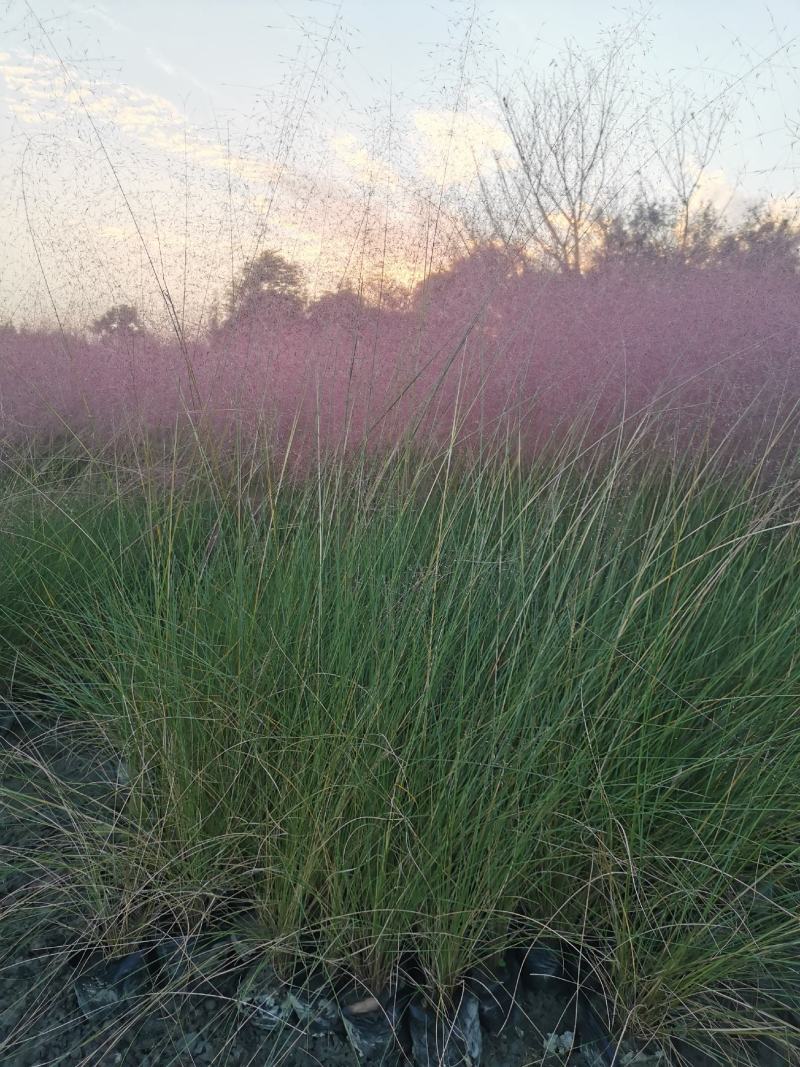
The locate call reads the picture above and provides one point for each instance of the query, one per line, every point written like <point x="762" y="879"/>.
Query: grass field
<point x="419" y="708"/>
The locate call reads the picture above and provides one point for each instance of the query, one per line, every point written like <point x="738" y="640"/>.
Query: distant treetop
<point x="268" y="275"/>
<point x="120" y="319"/>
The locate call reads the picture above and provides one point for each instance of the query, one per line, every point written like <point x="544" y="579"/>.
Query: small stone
<point x="193" y="1043"/>
<point x="559" y="1044"/>
<point x="633" y="1057"/>
<point x="593" y="1058"/>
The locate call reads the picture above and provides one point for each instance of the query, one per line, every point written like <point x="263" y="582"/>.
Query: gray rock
<point x="317" y="1005"/>
<point x="651" y="1057"/>
<point x="15" y="720"/>
<point x="559" y="1044"/>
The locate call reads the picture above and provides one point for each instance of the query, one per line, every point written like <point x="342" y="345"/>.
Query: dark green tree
<point x="646" y="231"/>
<point x="268" y="277"/>
<point x="121" y="319"/>
<point x="655" y="232"/>
<point x="764" y="240"/>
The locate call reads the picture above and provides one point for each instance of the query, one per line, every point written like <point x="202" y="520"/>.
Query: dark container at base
<point x="104" y="985"/>
<point x="317" y="1004"/>
<point x="196" y="962"/>
<point x="540" y="968"/>
<point x="496" y="985"/>
<point x="377" y="1028"/>
<point x="594" y="1035"/>
<point x="437" y="1041"/>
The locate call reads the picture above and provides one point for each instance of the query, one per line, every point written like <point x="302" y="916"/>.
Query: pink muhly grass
<point x="483" y="341"/>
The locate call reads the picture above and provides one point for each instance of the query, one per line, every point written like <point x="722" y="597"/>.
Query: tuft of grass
<point x="418" y="709"/>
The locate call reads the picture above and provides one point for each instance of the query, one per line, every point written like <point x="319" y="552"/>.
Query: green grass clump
<point x="425" y="708"/>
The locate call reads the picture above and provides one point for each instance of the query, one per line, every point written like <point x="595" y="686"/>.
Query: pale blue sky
<point x="242" y="42"/>
<point x="231" y="49"/>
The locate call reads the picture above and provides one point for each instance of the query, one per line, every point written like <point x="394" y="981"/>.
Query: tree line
<point x="649" y="232"/>
<point x="584" y="136"/>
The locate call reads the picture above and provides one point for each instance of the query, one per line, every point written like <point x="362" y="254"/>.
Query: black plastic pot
<point x="193" y="962"/>
<point x="496" y="985"/>
<point x="593" y="1034"/>
<point x="377" y="1027"/>
<point x="554" y="968"/>
<point x="437" y="1041"/>
<point x="579" y="970"/>
<point x="103" y="985"/>
<point x="263" y="998"/>
<point x="593" y="1037"/>
<point x="540" y="967"/>
<point x="317" y="1004"/>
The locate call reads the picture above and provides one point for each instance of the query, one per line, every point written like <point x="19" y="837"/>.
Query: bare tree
<point x="685" y="143"/>
<point x="571" y="132"/>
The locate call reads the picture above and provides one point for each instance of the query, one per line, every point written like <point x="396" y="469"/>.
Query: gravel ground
<point x="41" y="1022"/>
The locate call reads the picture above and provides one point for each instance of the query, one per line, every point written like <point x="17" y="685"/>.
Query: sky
<point x="171" y="140"/>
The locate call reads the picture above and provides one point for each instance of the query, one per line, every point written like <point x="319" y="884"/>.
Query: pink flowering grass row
<point x="715" y="347"/>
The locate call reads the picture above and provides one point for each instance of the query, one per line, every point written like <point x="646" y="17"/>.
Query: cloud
<point x="445" y="147"/>
<point x="784" y="207"/>
<point x="39" y="90"/>
<point x="454" y="147"/>
<point x="317" y="213"/>
<point x="715" y="188"/>
<point x="160" y="62"/>
<point x="360" y="164"/>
